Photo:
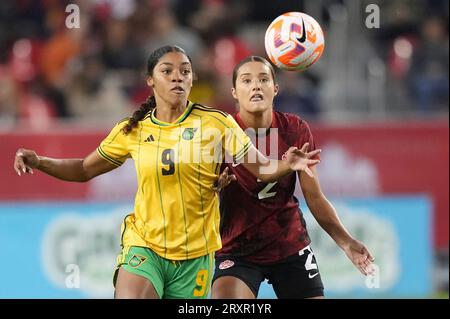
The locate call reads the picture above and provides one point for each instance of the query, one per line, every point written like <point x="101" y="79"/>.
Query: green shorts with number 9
<point x="171" y="278"/>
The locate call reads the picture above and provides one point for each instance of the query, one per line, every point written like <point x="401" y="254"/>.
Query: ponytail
<point x="147" y="106"/>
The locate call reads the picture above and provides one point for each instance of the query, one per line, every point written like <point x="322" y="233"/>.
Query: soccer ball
<point x="294" y="41"/>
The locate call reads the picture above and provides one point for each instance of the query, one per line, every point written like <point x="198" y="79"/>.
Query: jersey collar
<point x="180" y="119"/>
<point x="244" y="127"/>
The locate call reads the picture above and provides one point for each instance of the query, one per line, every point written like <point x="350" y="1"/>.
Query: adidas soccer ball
<point x="294" y="41"/>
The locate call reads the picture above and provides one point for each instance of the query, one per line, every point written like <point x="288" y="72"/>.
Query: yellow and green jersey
<point x="176" y="212"/>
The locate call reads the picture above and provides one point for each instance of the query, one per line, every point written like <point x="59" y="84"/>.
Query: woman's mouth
<point x="256" y="98"/>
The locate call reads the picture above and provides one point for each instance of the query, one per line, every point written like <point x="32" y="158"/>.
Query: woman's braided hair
<point x="139" y="114"/>
<point x="150" y="103"/>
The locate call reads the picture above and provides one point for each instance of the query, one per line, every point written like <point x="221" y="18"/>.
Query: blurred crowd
<point x="95" y="74"/>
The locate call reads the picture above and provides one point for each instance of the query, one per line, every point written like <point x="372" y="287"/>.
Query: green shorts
<point x="171" y="279"/>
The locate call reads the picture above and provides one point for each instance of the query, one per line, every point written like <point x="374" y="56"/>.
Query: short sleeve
<point x="114" y="148"/>
<point x="237" y="143"/>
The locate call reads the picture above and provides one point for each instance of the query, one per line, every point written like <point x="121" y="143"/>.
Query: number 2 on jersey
<point x="266" y="191"/>
<point x="167" y="157"/>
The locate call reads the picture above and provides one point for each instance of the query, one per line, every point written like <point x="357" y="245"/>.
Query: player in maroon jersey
<point x="263" y="232"/>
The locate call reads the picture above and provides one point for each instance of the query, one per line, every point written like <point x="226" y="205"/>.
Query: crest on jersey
<point x="188" y="133"/>
<point x="136" y="260"/>
<point x="226" y="264"/>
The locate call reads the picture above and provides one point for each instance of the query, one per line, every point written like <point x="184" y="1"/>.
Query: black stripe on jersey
<point x="148" y="114"/>
<point x="124" y="229"/>
<point x="139" y="159"/>
<point x="107" y="157"/>
<point x="209" y="109"/>
<point x="242" y="153"/>
<point x="182" y="198"/>
<point x="199" y="178"/>
<point x="160" y="193"/>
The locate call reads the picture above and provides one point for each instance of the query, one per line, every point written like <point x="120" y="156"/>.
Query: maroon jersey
<point x="262" y="222"/>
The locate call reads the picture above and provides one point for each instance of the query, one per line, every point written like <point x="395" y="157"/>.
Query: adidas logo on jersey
<point x="149" y="139"/>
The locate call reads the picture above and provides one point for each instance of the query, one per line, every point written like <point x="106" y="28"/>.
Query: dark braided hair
<point x="150" y="103"/>
<point x="253" y="58"/>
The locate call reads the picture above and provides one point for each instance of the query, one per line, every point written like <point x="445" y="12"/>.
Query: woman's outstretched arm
<point x="73" y="169"/>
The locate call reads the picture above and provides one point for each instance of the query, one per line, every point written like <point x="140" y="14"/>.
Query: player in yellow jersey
<point x="177" y="146"/>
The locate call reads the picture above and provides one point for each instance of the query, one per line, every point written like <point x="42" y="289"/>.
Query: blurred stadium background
<point x="377" y="103"/>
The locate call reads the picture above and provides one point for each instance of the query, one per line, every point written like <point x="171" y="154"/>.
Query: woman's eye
<point x="264" y="80"/>
<point x="186" y="72"/>
<point x="246" y="81"/>
<point x="165" y="71"/>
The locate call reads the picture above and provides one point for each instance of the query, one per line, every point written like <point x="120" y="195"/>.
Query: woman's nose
<point x="256" y="85"/>
<point x="176" y="76"/>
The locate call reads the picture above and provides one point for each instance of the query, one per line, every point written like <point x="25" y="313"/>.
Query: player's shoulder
<point x="119" y="128"/>
<point x="289" y="120"/>
<point x="207" y="110"/>
<point x="119" y="125"/>
<point x="123" y="121"/>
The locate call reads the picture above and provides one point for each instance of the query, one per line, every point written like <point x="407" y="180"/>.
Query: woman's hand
<point x="360" y="256"/>
<point x="25" y="161"/>
<point x="224" y="180"/>
<point x="300" y="160"/>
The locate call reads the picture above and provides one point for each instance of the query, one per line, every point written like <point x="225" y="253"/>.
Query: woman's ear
<point x="276" y="89"/>
<point x="194" y="78"/>
<point x="233" y="93"/>
<point x="150" y="81"/>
